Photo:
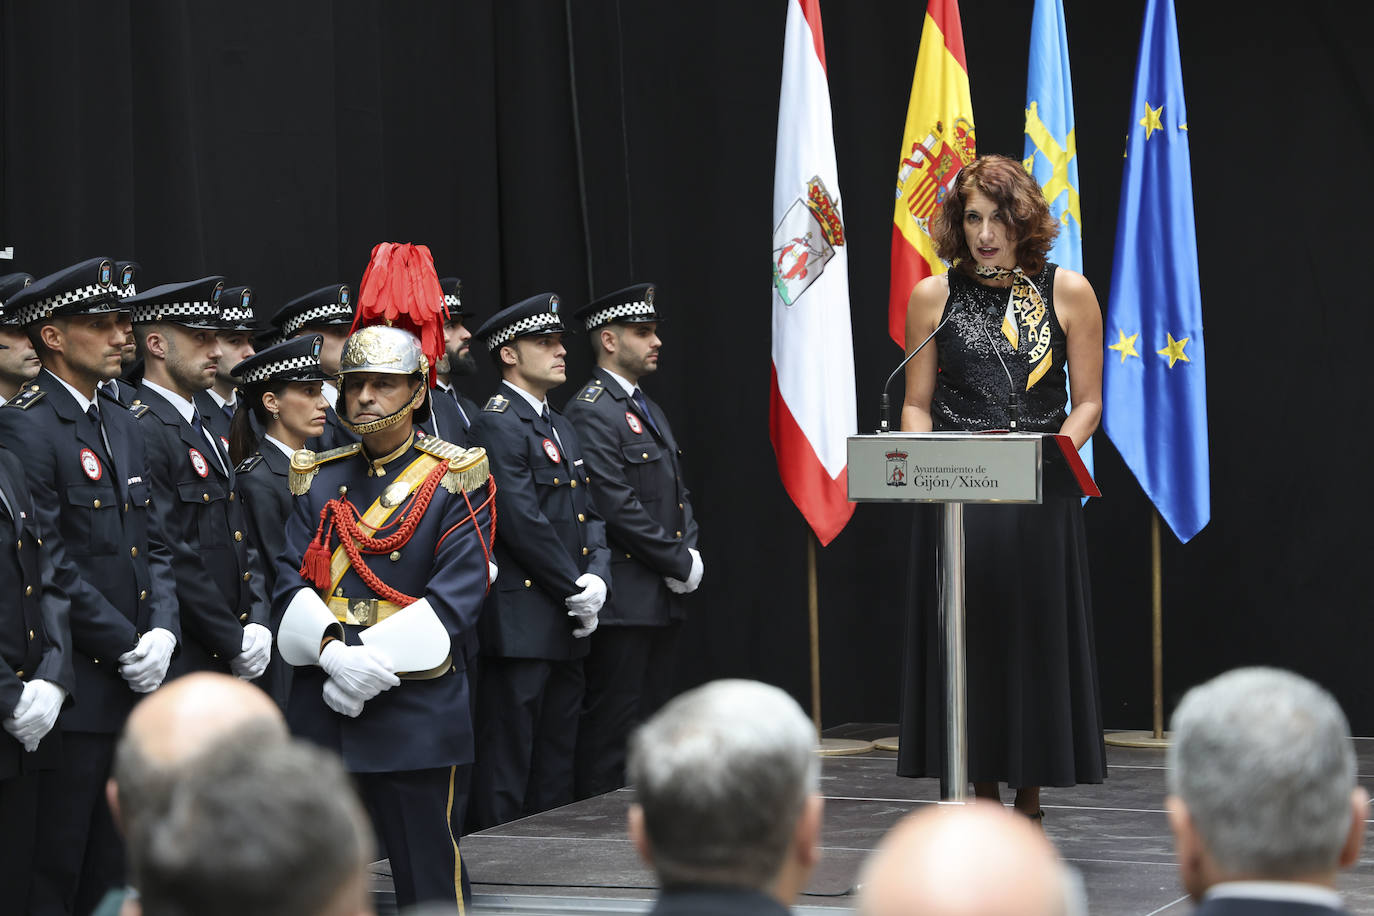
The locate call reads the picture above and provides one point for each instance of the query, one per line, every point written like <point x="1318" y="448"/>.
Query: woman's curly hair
<point x="1006" y="183"/>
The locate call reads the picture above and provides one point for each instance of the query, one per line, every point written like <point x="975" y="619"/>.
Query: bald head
<point x="192" y="712"/>
<point x="973" y="860"/>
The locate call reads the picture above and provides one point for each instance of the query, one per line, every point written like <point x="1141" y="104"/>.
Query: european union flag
<point x="1153" y="379"/>
<point x="1051" y="149"/>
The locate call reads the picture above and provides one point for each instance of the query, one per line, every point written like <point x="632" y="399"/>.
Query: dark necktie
<point x="549" y="420"/>
<point x="228" y="411"/>
<point x="642" y="403"/>
<point x="93" y="413"/>
<point x="208" y="437"/>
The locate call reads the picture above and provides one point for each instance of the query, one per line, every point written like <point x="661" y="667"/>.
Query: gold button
<point x="572" y="483"/>
<point x="343" y="491"/>
<point x="644" y="454"/>
<point x="96" y="504"/>
<point x="40" y="541"/>
<point x="214" y="655"/>
<point x="528" y="583"/>
<point x="142" y="594"/>
<point x="680" y="506"/>
<point x="243" y="617"/>
<point x="627" y="556"/>
<point x="28" y="590"/>
<point x="126" y="507"/>
<point x="581" y="517"/>
<point x="95" y="661"/>
<point x="30" y="634"/>
<point x="238" y="535"/>
<point x="137" y="401"/>
<point x="18" y="545"/>
<point x="555" y="481"/>
<point x="395" y="555"/>
<point x="679" y="534"/>
<point x="247" y="576"/>
<point x="36" y="388"/>
<point x="205" y="497"/>
<point x="133" y="551"/>
<point x="231" y="495"/>
<point x="585" y="551"/>
<point x="19" y="674"/>
<point x="338" y="593"/>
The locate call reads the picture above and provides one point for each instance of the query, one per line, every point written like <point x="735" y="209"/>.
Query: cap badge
<point x="343" y="295"/>
<point x="246" y="299"/>
<point x="649" y="296"/>
<point x="553" y="304"/>
<point x="106" y="270"/>
<point x="128" y="276"/>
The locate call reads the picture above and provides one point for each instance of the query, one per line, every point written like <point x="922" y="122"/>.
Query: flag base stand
<point x="890" y="743"/>
<point x="1137" y="739"/>
<point x="842" y="747"/>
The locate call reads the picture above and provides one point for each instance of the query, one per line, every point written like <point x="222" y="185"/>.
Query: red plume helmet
<point x="401" y="289"/>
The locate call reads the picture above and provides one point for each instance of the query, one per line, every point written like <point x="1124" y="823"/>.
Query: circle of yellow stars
<point x="1172" y="351"/>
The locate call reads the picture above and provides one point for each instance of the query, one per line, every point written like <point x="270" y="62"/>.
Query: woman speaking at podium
<point x="1005" y="321"/>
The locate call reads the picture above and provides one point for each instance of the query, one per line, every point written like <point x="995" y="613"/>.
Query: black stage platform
<point x="577" y="859"/>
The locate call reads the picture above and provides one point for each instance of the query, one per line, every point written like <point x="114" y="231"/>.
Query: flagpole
<point x="1158" y="737"/>
<point x="826" y="747"/>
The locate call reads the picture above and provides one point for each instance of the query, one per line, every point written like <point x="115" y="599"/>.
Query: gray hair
<point x="273" y="830"/>
<point x="722" y="774"/>
<point x="1262" y="760"/>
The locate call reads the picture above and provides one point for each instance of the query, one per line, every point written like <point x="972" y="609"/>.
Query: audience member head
<point x="969" y="860"/>
<point x="274" y="830"/>
<point x="726" y="785"/>
<point x="1262" y="782"/>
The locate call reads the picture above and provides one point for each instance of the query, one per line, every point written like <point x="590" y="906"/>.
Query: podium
<point x="955" y="468"/>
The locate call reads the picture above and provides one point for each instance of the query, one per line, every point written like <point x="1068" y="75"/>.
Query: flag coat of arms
<point x="811" y="410"/>
<point x="1153" y="380"/>
<point x="938" y="141"/>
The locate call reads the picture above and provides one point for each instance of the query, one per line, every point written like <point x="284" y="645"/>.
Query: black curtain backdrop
<point x="537" y="145"/>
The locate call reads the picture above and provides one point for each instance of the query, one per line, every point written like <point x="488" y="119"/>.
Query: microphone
<point x="1013" y="409"/>
<point x="884" y="403"/>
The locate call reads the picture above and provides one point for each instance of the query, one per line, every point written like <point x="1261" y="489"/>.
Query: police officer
<point x="18" y="361"/>
<point x="635" y="465"/>
<point x="555" y="569"/>
<point x="327" y="311"/>
<point x="36" y="675"/>
<point x="85" y="463"/>
<point x="452" y="412"/>
<point x="373" y="628"/>
<point x="124" y="387"/>
<point x="224" y="615"/>
<point x="218" y="402"/>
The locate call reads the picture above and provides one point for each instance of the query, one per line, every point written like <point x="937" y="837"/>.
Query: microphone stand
<point x="884" y="401"/>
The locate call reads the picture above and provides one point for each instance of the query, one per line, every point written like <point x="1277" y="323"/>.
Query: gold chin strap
<point x="372" y="426"/>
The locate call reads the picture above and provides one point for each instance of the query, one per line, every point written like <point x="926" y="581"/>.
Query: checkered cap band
<point x="124" y="292"/>
<point x="533" y="323"/>
<point x="625" y="311"/>
<point x="453" y="302"/>
<point x="41" y="308"/>
<point x="236" y="314"/>
<point x="280" y="367"/>
<point x="332" y="311"/>
<point x="173" y="311"/>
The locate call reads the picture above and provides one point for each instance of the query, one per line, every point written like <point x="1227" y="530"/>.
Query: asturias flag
<point x="1153" y="379"/>
<point x="1051" y="148"/>
<point x="812" y="404"/>
<point x="937" y="143"/>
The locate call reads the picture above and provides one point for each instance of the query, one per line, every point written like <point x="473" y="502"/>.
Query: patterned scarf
<point x="1025" y="308"/>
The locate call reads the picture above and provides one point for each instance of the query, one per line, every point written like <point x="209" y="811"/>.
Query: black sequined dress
<point x="1034" y="715"/>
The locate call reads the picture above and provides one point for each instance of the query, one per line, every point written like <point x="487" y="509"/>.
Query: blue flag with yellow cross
<point x="1051" y="155"/>
<point x="1153" y="379"/>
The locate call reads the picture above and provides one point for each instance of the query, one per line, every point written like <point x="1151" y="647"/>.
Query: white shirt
<point x="286" y="450"/>
<point x="231" y="402"/>
<point x="187" y="411"/>
<point x="85" y="404"/>
<point x="539" y="405"/>
<point x="1288" y="891"/>
<point x="629" y="386"/>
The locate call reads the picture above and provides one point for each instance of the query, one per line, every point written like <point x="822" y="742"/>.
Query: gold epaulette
<point x="305" y="464"/>
<point x="468" y="468"/>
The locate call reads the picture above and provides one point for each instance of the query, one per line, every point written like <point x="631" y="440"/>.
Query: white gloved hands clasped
<point x="586" y="604"/>
<point x="340" y="700"/>
<point x="36" y="713"/>
<point x="360" y="671"/>
<point x="693" y="577"/>
<point x="145" y="665"/>
<point x="256" y="652"/>
<point x="491" y="572"/>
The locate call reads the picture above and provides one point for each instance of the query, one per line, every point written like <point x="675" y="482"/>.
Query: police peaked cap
<point x="631" y="305"/>
<point x="326" y="305"/>
<point x="192" y="304"/>
<point x="536" y="315"/>
<point x="295" y="360"/>
<point x="88" y="288"/>
<point x="9" y="285"/>
<point x="236" y="309"/>
<point x="126" y="276"/>
<point x="453" y="297"/>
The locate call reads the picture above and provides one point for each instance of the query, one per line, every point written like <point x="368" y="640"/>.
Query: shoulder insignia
<point x="305" y="464"/>
<point x="497" y="404"/>
<point x="468" y="468"/>
<point x="27" y="398"/>
<point x="248" y="464"/>
<point x="138" y="410"/>
<point x="591" y="393"/>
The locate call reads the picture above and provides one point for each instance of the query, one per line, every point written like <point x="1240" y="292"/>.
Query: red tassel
<point x="315" y="566"/>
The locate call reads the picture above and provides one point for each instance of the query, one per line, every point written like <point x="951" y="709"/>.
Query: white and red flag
<point x="812" y="401"/>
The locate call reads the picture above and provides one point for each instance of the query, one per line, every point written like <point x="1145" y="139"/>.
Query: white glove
<point x="361" y="671"/>
<point x="36" y="713"/>
<point x="491" y="572"/>
<point x="145" y="665"/>
<point x="693" y="576"/>
<point x="590" y="599"/>
<point x="589" y="623"/>
<point x="340" y="700"/>
<point x="252" y="661"/>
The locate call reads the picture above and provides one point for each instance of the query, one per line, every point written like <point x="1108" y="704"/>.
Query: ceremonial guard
<point x="383" y="575"/>
<point x="555" y="569"/>
<point x="237" y="326"/>
<point x="224" y="612"/>
<point x="18" y="361"/>
<point x="89" y="478"/>
<point x="636" y="469"/>
<point x="453" y="413"/>
<point x="328" y="312"/>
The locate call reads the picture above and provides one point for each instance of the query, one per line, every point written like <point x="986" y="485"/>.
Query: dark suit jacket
<point x="213" y="416"/>
<point x="715" y="901"/>
<point x="206" y="529"/>
<point x="637" y="487"/>
<point x="102" y="528"/>
<point x="1244" y="906"/>
<point x="446" y="420"/>
<point x="547" y="532"/>
<point x="35" y="635"/>
<point x="263" y="486"/>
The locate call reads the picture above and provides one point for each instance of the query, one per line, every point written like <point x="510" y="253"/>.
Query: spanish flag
<point x="937" y="143"/>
